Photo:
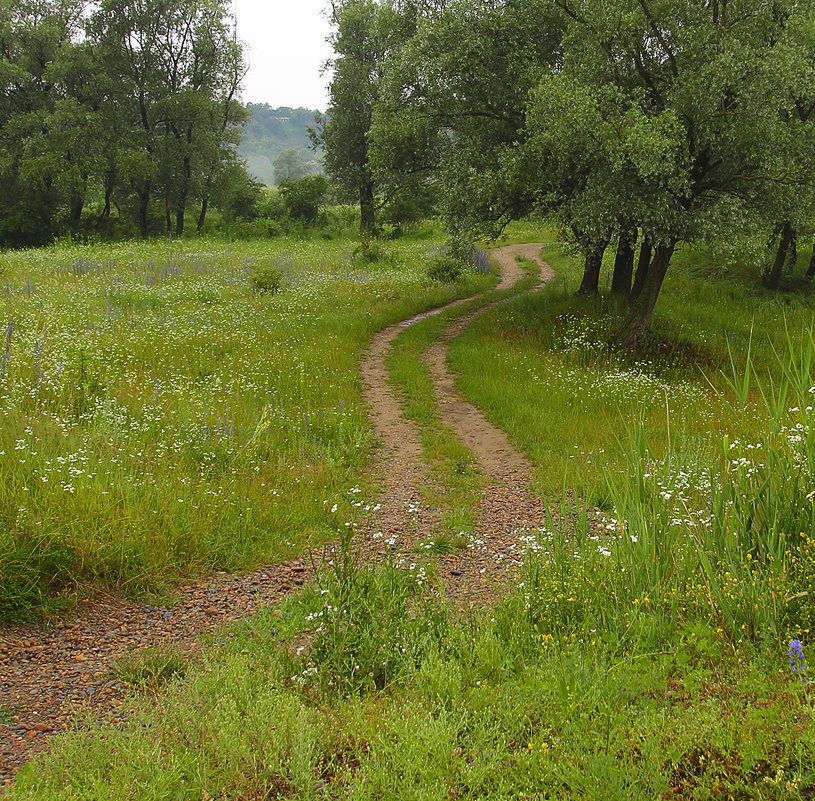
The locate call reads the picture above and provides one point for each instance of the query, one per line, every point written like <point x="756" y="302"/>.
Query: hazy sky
<point x="285" y="47"/>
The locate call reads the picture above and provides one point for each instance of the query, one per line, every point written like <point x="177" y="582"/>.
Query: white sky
<point x="285" y="48"/>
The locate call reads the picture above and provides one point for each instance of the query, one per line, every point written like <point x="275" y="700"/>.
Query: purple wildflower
<point x="796" y="656"/>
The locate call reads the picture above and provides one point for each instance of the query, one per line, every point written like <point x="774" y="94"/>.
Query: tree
<point x="366" y="34"/>
<point x="173" y="69"/>
<point x="43" y="159"/>
<point x="290" y="165"/>
<point x="453" y="105"/>
<point x="688" y="102"/>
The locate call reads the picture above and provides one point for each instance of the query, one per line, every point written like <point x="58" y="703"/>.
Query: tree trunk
<point x="367" y="208"/>
<point x="811" y="269"/>
<point x="183" y="195"/>
<point x="591" y="271"/>
<point x="77" y="205"/>
<point x="642" y="307"/>
<point x="772" y="278"/>
<point x="109" y="184"/>
<point x="792" y="255"/>
<point x="168" y="217"/>
<point x="624" y="263"/>
<point x="144" y="206"/>
<point x="642" y="267"/>
<point x="203" y="215"/>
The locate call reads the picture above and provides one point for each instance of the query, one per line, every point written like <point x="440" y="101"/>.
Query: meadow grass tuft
<point x="150" y="668"/>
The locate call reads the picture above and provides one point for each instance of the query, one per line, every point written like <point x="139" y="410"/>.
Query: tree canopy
<point x="132" y="103"/>
<point x="685" y="121"/>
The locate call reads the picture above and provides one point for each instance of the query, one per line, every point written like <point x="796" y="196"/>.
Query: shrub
<point x="446" y="269"/>
<point x="304" y="198"/>
<point x="267" y="280"/>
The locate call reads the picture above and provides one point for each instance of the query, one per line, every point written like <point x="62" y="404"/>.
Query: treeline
<point x="116" y="113"/>
<point x="634" y="124"/>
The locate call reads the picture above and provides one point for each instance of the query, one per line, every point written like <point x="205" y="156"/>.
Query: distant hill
<point x="269" y="131"/>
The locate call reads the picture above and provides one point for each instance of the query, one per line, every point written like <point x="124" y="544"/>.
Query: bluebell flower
<point x="796" y="655"/>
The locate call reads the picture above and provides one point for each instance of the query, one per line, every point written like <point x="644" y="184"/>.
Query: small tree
<point x="303" y="199"/>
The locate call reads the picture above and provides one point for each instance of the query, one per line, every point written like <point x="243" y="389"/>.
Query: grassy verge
<point x="363" y="687"/>
<point x="539" y="368"/>
<point x="649" y="652"/>
<point x="164" y="408"/>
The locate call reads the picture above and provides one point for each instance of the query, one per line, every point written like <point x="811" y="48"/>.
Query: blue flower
<point x="796" y="655"/>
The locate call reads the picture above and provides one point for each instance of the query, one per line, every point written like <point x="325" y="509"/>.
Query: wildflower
<point x="796" y="656"/>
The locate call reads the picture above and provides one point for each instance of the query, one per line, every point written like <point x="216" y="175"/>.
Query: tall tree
<point x="689" y="102"/>
<point x="174" y="69"/>
<point x="366" y="34"/>
<point x="40" y="153"/>
<point x="454" y="101"/>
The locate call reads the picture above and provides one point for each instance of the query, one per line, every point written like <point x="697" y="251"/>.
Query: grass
<point x="573" y="400"/>
<point x="644" y="652"/>
<point x="159" y="418"/>
<point x="365" y="687"/>
<point x="150" y="668"/>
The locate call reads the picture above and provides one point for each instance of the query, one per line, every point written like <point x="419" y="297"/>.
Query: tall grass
<point x="158" y="416"/>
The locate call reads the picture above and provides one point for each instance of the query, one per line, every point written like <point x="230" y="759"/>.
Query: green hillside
<point x="269" y="131"/>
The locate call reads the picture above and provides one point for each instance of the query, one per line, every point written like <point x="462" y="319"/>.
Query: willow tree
<point x="365" y="36"/>
<point x="453" y="104"/>
<point x="689" y="100"/>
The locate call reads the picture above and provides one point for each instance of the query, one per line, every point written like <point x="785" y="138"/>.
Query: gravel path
<point x="48" y="675"/>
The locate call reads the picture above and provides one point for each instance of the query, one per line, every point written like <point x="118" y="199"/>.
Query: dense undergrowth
<point x="170" y="407"/>
<point x="651" y="649"/>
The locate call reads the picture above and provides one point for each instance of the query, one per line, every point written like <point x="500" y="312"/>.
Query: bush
<point x="302" y="199"/>
<point x="266" y="280"/>
<point x="446" y="269"/>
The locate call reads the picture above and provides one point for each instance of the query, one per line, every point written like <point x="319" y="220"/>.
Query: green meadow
<point x="652" y="646"/>
<point x="172" y="408"/>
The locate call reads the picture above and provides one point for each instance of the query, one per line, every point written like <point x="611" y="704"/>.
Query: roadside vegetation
<point x="655" y="647"/>
<point x="172" y="407"/>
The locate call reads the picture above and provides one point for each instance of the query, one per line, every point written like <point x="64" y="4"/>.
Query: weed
<point x="265" y="280"/>
<point x="150" y="668"/>
<point x="443" y="543"/>
<point x="446" y="269"/>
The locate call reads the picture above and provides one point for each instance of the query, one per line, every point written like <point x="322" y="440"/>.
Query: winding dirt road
<point x="47" y="675"/>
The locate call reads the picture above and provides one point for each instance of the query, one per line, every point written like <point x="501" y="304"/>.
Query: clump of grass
<point x="9" y="715"/>
<point x="446" y="269"/>
<point x="366" y="628"/>
<point x="150" y="668"/>
<point x="266" y="280"/>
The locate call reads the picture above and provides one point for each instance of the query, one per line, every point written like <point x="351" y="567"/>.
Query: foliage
<point x="118" y="104"/>
<point x="302" y="199"/>
<point x="290" y="165"/>
<point x="266" y="280"/>
<point x="446" y="269"/>
<point x="366" y="34"/>
<point x="156" y="419"/>
<point x="149" y="668"/>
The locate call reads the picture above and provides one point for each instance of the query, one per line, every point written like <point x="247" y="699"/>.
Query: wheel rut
<point x="49" y="676"/>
